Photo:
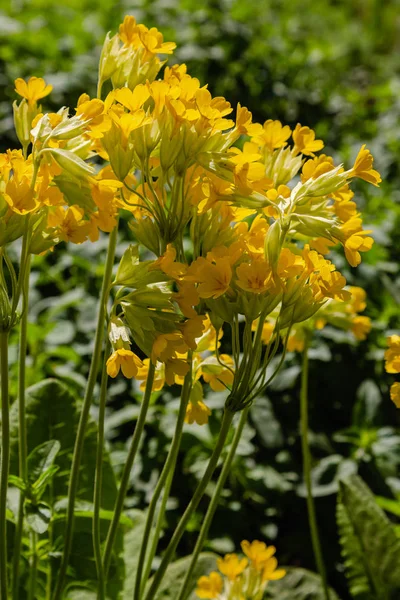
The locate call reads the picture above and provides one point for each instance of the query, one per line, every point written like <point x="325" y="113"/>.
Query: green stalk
<point x="33" y="569"/>
<point x="22" y="440"/>
<point x="5" y="462"/>
<point x="87" y="401"/>
<point x="307" y="469"/>
<point x="184" y="592"/>
<point x="167" y="470"/>
<point x="101" y="589"/>
<point x="193" y="504"/>
<point x="119" y="503"/>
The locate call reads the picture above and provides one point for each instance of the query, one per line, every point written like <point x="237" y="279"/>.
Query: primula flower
<point x="392" y="354"/>
<point x="255" y="277"/>
<point x="395" y="393"/>
<point x="231" y="566"/>
<point x="210" y="586"/>
<point x="274" y="135"/>
<point x="305" y="142"/>
<point x="258" y="553"/>
<point x="197" y="412"/>
<point x="363" y="167"/>
<point x="361" y="326"/>
<point x="126" y="360"/>
<point x="33" y="90"/>
<point x="213" y="278"/>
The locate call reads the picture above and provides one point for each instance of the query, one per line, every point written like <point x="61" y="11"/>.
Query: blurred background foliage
<point x="332" y="65"/>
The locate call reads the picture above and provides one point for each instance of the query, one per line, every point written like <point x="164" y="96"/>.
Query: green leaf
<point x="38" y="516"/>
<point x="130" y="555"/>
<point x="41" y="459"/>
<point x="53" y="412"/>
<point x="176" y="573"/>
<point x="298" y="584"/>
<point x="389" y="505"/>
<point x="378" y="546"/>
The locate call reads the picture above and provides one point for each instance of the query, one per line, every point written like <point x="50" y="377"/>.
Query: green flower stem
<point x="193" y="504"/>
<point x="22" y="439"/>
<point x="80" y="437"/>
<point x="5" y="462"/>
<point x="184" y="592"/>
<point x="119" y="503"/>
<point x="307" y="468"/>
<point x="33" y="569"/>
<point x="101" y="587"/>
<point x="163" y="480"/>
<point x="157" y="531"/>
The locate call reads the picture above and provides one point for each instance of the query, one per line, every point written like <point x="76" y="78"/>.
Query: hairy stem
<point x="5" y="462"/>
<point x="22" y="440"/>
<point x="193" y="504"/>
<point x="123" y="488"/>
<point x="184" y="592"/>
<point x="307" y="469"/>
<point x="101" y="586"/>
<point x="163" y="480"/>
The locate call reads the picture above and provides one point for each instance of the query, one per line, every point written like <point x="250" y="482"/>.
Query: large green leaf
<point x="52" y="413"/>
<point x="132" y="545"/>
<point x="298" y="584"/>
<point x="176" y="572"/>
<point x="379" y="547"/>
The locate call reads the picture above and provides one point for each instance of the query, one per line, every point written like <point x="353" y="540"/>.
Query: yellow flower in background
<point x="392" y="354"/>
<point x="210" y="586"/>
<point x="124" y="360"/>
<point x="32" y="90"/>
<point x="271" y="572"/>
<point x="258" y="553"/>
<point x="361" y="326"/>
<point x="363" y="167"/>
<point x="395" y="393"/>
<point x="231" y="565"/>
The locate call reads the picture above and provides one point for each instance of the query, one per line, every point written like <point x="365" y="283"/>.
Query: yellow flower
<point x="392" y="354"/>
<point x="159" y="377"/>
<point x="33" y="90"/>
<point x="356" y="243"/>
<point x="270" y="572"/>
<point x="274" y="135"/>
<point x="197" y="412"/>
<point x="395" y="393"/>
<point x="363" y="167"/>
<point x="213" y="277"/>
<point x="231" y="566"/>
<point x="255" y="277"/>
<point x="126" y="360"/>
<point x="317" y="166"/>
<point x="305" y="142"/>
<point x="210" y="586"/>
<point x="244" y="123"/>
<point x="20" y="197"/>
<point x="361" y="326"/>
<point x="167" y="345"/>
<point x="258" y="553"/>
<point x="216" y="375"/>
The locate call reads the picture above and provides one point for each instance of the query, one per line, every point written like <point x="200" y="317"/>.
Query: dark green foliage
<point x="370" y="546"/>
<point x="298" y="584"/>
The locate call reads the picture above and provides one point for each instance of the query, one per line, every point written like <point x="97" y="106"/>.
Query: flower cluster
<point x="242" y="578"/>
<point x="239" y="217"/>
<point x="392" y="365"/>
